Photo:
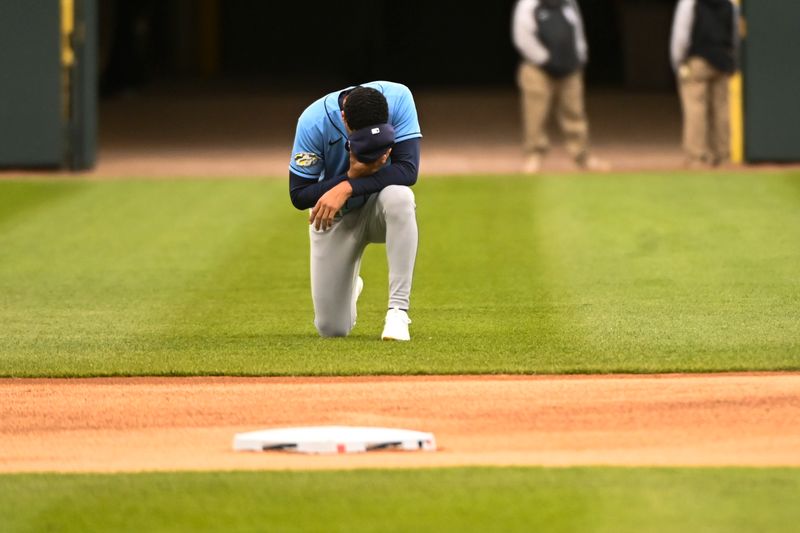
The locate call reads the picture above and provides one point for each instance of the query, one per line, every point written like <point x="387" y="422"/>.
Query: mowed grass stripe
<point x="20" y="199"/>
<point x="701" y="267"/>
<point x="94" y="282"/>
<point x="485" y="249"/>
<point x="610" y="500"/>
<point x="561" y="274"/>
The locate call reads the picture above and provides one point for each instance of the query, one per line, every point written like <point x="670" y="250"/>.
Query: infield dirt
<point x="142" y="424"/>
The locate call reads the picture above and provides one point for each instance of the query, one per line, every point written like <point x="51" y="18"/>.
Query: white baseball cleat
<point x="357" y="290"/>
<point x="396" y="326"/>
<point x="359" y="286"/>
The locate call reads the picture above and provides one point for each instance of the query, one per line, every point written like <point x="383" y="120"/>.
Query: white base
<point x="334" y="439"/>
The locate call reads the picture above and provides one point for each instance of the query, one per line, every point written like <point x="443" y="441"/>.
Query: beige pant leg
<point x="571" y="115"/>
<point x="720" y="135"/>
<point x="536" y="90"/>
<point x="694" y="79"/>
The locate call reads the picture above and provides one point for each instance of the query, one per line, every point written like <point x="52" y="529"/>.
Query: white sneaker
<point x="396" y="326"/>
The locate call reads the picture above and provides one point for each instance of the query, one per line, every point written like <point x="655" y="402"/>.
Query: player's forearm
<point x="402" y="171"/>
<point x="305" y="193"/>
<point x="395" y="174"/>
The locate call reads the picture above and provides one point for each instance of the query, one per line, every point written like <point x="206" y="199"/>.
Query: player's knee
<point x="397" y="200"/>
<point x="332" y="328"/>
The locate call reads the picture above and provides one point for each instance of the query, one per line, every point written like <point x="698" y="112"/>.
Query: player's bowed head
<point x="365" y="114"/>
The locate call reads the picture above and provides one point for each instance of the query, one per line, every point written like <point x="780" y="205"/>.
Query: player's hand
<point x="359" y="169"/>
<point x="329" y="204"/>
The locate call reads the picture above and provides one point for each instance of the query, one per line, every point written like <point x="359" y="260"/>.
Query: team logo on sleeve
<point x="306" y="159"/>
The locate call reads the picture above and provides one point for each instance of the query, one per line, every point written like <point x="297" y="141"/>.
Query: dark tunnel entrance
<point x="425" y="44"/>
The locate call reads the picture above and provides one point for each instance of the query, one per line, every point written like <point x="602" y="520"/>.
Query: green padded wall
<point x="31" y="128"/>
<point x="772" y="80"/>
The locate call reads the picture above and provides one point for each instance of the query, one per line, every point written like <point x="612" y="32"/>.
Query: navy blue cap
<point x="370" y="143"/>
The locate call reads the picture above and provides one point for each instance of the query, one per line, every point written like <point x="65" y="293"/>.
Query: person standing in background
<point x="549" y="36"/>
<point x="703" y="52"/>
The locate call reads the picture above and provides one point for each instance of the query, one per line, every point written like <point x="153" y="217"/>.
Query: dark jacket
<point x="713" y="34"/>
<point x="549" y="34"/>
<point x="706" y="29"/>
<point x="557" y="35"/>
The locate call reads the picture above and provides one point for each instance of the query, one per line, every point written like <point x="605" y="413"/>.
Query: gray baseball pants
<point x="388" y="216"/>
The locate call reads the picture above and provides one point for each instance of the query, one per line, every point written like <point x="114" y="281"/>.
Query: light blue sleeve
<point x="404" y="117"/>
<point x="308" y="159"/>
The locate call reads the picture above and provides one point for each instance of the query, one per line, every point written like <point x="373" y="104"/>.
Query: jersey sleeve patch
<point x="306" y="159"/>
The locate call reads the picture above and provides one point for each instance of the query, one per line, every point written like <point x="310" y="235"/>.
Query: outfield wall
<point x="30" y="85"/>
<point x="771" y="80"/>
<point x="48" y="79"/>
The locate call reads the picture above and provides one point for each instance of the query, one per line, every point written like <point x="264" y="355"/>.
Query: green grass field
<point x="613" y="273"/>
<point x="559" y="274"/>
<point x="613" y="500"/>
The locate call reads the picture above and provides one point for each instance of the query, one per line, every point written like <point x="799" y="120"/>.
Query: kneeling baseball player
<point x="355" y="156"/>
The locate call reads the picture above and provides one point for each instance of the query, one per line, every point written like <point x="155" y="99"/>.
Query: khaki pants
<point x="541" y="93"/>
<point x="706" y="125"/>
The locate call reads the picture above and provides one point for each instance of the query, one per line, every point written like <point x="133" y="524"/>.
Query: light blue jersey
<point x="319" y="144"/>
